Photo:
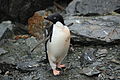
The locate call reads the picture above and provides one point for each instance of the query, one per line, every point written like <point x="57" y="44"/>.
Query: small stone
<point x="101" y="76"/>
<point x="111" y="77"/>
<point x="28" y="65"/>
<point x="7" y="72"/>
<point x="88" y="56"/>
<point x="115" y="61"/>
<point x="90" y="71"/>
<point x="0" y="71"/>
<point x="101" y="53"/>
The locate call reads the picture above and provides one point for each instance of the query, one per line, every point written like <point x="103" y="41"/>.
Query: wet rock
<point x="90" y="71"/>
<point x="101" y="30"/>
<point x="6" y="30"/>
<point x="89" y="7"/>
<point x="88" y="56"/>
<point x="20" y="10"/>
<point x="2" y="51"/>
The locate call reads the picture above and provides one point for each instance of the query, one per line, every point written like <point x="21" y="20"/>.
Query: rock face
<point x="21" y="10"/>
<point x="92" y="6"/>
<point x="102" y="29"/>
<point x="6" y="30"/>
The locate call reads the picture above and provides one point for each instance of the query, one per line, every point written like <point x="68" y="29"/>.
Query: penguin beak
<point x="48" y="18"/>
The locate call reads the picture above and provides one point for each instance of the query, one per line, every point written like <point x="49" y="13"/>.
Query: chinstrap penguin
<point x="58" y="44"/>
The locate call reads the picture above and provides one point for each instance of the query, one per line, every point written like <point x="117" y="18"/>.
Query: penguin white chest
<point x="60" y="41"/>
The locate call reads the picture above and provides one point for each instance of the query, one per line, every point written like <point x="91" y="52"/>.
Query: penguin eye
<point x="54" y="18"/>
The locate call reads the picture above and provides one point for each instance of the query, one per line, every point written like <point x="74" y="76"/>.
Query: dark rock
<point x="20" y="29"/>
<point x="4" y="67"/>
<point x="117" y="10"/>
<point x="21" y="10"/>
<point x="87" y="7"/>
<point x="6" y="30"/>
<point x="101" y="30"/>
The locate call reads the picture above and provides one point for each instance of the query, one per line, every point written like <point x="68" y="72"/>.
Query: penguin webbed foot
<point x="62" y="66"/>
<point x="56" y="72"/>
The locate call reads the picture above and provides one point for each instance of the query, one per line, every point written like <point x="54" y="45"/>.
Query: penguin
<point x="59" y="42"/>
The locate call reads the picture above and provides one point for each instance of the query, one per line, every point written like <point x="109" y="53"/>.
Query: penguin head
<point x="55" y="18"/>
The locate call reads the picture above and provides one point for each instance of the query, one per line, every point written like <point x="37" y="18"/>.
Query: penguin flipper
<point x="49" y="30"/>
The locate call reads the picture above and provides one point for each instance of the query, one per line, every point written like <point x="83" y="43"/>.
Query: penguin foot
<point x="56" y="72"/>
<point x="61" y="66"/>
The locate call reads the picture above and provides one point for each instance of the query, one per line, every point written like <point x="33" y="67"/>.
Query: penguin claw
<point x="56" y="72"/>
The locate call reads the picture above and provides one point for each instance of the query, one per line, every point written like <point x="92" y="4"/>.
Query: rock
<point x="101" y="76"/>
<point x="20" y="29"/>
<point x="92" y="30"/>
<point x="6" y="77"/>
<point x="6" y="30"/>
<point x="115" y="61"/>
<point x="31" y="42"/>
<point x="118" y="10"/>
<point x="90" y="71"/>
<point x="27" y="65"/>
<point x="2" y="51"/>
<point x="21" y="10"/>
<point x="87" y="7"/>
<point x="0" y="71"/>
<point x="88" y="56"/>
<point x="101" y="52"/>
<point x="20" y="51"/>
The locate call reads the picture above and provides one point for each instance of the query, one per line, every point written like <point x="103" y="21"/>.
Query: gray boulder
<point x="101" y="30"/>
<point x="92" y="6"/>
<point x="6" y="30"/>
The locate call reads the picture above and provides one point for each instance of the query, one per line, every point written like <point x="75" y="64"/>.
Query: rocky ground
<point x="85" y="63"/>
<point x="95" y="54"/>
